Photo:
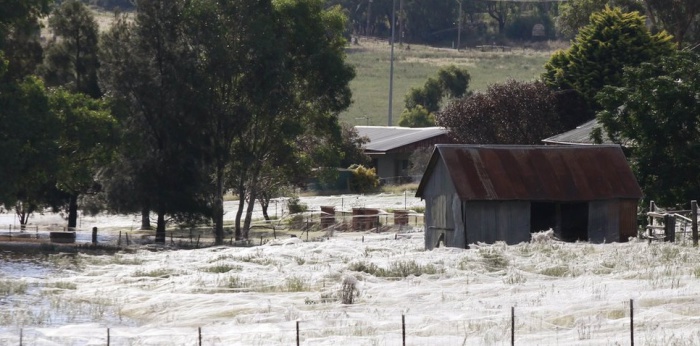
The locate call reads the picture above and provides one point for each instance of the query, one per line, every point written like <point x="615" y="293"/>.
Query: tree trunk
<point x="145" y="218"/>
<point x="264" y="204"/>
<point x="73" y="211"/>
<point x="22" y="215"/>
<point x="252" y="192"/>
<point x="239" y="212"/>
<point x="249" y="213"/>
<point x="160" y="228"/>
<point x="218" y="208"/>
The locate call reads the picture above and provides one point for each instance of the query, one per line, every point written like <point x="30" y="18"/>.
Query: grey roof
<point x="544" y="172"/>
<point x="580" y="135"/>
<point x="387" y="138"/>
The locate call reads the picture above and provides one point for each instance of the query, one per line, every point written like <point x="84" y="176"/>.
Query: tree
<point x="72" y="56"/>
<point x="150" y="68"/>
<point x="421" y="103"/>
<point x="87" y="136"/>
<point x="499" y="11"/>
<point x="612" y="41"/>
<point x="575" y="14"/>
<point x="19" y="35"/>
<point x="509" y="113"/>
<point x="28" y="144"/>
<point x="417" y="117"/>
<point x="313" y="61"/>
<point x="656" y="112"/>
<point x="676" y="16"/>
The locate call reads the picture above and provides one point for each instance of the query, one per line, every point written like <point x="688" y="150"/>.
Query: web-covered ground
<point x="560" y="294"/>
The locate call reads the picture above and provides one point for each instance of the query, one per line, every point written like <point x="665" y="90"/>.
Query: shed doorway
<point x="543" y="216"/>
<point x="574" y="221"/>
<point x="568" y="220"/>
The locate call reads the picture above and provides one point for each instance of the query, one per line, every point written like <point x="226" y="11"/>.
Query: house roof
<point x="542" y="173"/>
<point x="580" y="135"/>
<point x="386" y="138"/>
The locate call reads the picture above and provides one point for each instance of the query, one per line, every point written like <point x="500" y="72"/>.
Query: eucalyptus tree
<point x="270" y="72"/>
<point x="87" y="136"/>
<point x="313" y="88"/>
<point x="72" y="55"/>
<point x="28" y="143"/>
<point x="20" y="35"/>
<point x="149" y="67"/>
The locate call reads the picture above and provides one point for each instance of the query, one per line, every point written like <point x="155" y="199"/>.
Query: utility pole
<point x="369" y="14"/>
<point x="401" y="19"/>
<point x="459" y="25"/>
<point x="391" y="68"/>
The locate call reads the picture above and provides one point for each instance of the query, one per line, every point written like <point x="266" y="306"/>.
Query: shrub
<point x="349" y="290"/>
<point x="295" y="206"/>
<point x="363" y="179"/>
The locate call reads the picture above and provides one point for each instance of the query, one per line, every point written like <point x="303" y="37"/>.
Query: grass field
<point x="413" y="66"/>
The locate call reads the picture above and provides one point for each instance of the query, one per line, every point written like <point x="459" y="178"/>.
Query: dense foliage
<point x="422" y="102"/>
<point x="200" y="97"/>
<point x="509" y="113"/>
<point x="613" y="40"/>
<point x="656" y="112"/>
<point x="575" y="14"/>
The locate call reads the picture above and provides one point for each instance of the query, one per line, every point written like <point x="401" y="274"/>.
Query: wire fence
<point x="308" y="225"/>
<point x="505" y="326"/>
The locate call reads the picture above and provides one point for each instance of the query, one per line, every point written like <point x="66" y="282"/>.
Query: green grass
<point x="412" y="68"/>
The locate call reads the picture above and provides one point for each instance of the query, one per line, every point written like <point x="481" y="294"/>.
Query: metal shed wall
<point x="603" y="221"/>
<point x="491" y="221"/>
<point x="439" y="219"/>
<point x="612" y="220"/>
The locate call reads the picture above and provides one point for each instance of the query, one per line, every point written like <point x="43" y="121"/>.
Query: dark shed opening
<point x="543" y="216"/>
<point x="568" y="220"/>
<point x="574" y="221"/>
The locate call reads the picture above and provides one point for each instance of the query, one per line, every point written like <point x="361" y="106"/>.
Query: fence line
<point x="296" y="331"/>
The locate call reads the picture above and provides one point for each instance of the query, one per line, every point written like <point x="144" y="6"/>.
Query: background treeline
<point x="436" y="22"/>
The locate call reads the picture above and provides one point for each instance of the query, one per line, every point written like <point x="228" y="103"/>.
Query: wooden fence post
<point x="21" y="334"/>
<point x="512" y="325"/>
<point x="403" y="329"/>
<point x="107" y="336"/>
<point x="632" y="322"/>
<point x="669" y="228"/>
<point x="199" y="330"/>
<point x="694" y="209"/>
<point x="298" y="340"/>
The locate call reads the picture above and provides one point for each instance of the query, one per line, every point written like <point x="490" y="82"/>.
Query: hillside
<point x="412" y="66"/>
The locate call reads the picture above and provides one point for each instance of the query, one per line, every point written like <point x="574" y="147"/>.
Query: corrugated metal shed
<point x="536" y="173"/>
<point x="388" y="138"/>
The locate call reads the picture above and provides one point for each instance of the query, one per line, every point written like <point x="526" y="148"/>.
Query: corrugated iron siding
<point x="544" y="173"/>
<point x="604" y="221"/>
<point x="612" y="220"/>
<point x="438" y="207"/>
<point x="489" y="222"/>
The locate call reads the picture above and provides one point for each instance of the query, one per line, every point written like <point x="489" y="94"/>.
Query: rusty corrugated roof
<point x="544" y="173"/>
